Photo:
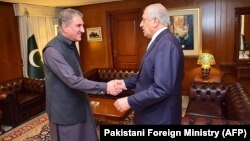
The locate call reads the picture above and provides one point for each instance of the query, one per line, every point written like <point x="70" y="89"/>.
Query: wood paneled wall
<point x="217" y="18"/>
<point x="10" y="52"/>
<point x="217" y="30"/>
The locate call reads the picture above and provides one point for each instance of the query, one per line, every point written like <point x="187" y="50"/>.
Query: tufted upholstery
<point x="187" y="120"/>
<point x="218" y="102"/>
<point x="238" y="103"/>
<point x="21" y="99"/>
<point x="107" y="74"/>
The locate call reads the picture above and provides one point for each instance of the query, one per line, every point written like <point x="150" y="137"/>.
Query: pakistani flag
<point x="35" y="65"/>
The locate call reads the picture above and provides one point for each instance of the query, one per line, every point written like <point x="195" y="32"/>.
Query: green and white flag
<point x="35" y="64"/>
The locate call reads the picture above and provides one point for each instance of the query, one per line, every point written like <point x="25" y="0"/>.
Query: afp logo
<point x="234" y="133"/>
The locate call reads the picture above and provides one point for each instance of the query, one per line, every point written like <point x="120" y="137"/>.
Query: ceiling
<point x="59" y="3"/>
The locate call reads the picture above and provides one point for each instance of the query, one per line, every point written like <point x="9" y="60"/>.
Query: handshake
<point x="115" y="87"/>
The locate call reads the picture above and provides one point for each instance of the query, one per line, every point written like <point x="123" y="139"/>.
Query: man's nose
<point x="82" y="29"/>
<point x="141" y="24"/>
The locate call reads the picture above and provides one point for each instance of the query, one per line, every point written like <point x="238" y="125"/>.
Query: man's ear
<point x="156" y="22"/>
<point x="64" y="27"/>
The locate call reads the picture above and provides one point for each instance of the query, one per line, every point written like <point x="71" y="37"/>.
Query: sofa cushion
<point x="24" y="99"/>
<point x="204" y="109"/>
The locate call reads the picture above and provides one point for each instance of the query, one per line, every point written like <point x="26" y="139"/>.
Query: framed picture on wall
<point x="94" y="34"/>
<point x="185" y="25"/>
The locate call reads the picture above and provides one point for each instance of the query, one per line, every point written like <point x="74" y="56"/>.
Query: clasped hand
<point x="114" y="87"/>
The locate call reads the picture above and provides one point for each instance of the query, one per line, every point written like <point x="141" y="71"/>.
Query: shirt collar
<point x="155" y="35"/>
<point x="66" y="41"/>
<point x="158" y="32"/>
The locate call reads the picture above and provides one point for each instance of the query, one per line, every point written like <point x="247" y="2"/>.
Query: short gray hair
<point x="158" y="11"/>
<point x="66" y="16"/>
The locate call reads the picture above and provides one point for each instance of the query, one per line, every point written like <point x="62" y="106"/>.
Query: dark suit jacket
<point x="157" y="98"/>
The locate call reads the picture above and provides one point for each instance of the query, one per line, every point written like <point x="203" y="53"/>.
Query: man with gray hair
<point x="157" y="98"/>
<point x="67" y="105"/>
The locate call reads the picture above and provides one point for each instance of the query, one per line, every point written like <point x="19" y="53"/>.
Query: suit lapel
<point x="151" y="47"/>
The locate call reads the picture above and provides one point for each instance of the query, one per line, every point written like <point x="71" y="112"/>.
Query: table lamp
<point x="205" y="60"/>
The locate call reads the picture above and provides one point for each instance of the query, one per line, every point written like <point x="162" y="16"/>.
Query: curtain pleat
<point x="43" y="21"/>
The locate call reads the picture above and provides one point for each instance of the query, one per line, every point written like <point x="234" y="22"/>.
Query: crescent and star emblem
<point x="31" y="58"/>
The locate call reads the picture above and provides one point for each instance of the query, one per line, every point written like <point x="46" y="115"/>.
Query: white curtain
<point x="42" y="20"/>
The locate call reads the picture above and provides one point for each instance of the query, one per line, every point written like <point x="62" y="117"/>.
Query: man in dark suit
<point x="157" y="98"/>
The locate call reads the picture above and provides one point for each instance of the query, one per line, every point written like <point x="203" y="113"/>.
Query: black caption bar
<point x="165" y="132"/>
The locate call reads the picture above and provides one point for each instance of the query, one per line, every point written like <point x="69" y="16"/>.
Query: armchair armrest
<point x="9" y="88"/>
<point x="2" y="96"/>
<point x="238" y="103"/>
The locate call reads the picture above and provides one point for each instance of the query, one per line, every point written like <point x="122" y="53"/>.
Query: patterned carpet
<point x="37" y="129"/>
<point x="34" y="130"/>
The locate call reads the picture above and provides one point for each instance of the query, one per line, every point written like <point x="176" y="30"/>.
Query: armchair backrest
<point x="33" y="85"/>
<point x="107" y="74"/>
<point x="110" y="74"/>
<point x="22" y="84"/>
<point x="209" y="91"/>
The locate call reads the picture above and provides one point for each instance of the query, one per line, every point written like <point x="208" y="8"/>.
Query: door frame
<point x="109" y="33"/>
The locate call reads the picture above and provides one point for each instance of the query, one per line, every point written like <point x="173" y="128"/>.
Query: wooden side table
<point x="103" y="108"/>
<point x="213" y="78"/>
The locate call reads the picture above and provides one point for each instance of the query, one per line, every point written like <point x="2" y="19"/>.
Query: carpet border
<point x="25" y="127"/>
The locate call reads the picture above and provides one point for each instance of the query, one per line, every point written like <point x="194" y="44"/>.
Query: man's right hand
<point x="114" y="87"/>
